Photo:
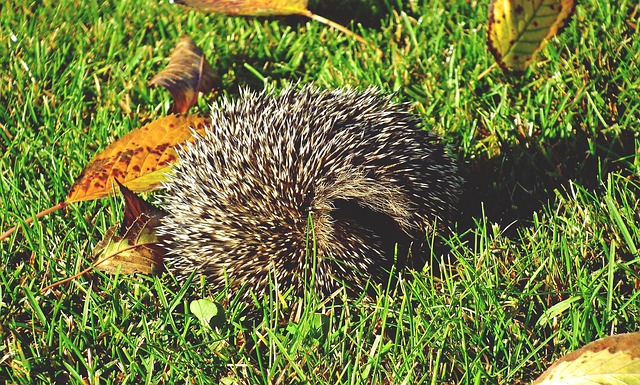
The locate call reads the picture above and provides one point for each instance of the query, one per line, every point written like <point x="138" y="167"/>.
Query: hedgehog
<point x="305" y="190"/>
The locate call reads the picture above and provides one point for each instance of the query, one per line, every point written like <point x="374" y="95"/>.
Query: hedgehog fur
<point x="304" y="188"/>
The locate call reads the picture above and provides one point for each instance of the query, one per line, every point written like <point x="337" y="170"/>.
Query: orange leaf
<point x="187" y="73"/>
<point x="249" y="7"/>
<point x="139" y="160"/>
<point x="268" y="8"/>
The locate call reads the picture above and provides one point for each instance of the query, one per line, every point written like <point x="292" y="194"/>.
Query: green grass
<point x="542" y="258"/>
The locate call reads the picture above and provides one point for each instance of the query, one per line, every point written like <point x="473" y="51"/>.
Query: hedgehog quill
<point x="305" y="187"/>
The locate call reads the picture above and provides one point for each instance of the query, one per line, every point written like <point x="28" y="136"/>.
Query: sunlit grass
<point x="542" y="257"/>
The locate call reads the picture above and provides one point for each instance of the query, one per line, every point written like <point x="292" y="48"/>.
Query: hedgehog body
<point x="304" y="188"/>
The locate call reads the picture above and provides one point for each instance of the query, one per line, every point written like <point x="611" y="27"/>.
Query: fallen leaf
<point x="136" y="208"/>
<point x="134" y="248"/>
<point x="129" y="253"/>
<point x="518" y="29"/>
<point x="208" y="312"/>
<point x="611" y="360"/>
<point x="187" y="74"/>
<point x="139" y="160"/>
<point x="268" y="8"/>
<point x="248" y="7"/>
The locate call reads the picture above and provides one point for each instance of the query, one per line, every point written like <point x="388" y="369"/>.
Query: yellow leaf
<point x="138" y="160"/>
<point x="611" y="360"/>
<point x="518" y="29"/>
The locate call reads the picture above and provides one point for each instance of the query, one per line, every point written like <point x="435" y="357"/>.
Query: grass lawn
<point x="543" y="256"/>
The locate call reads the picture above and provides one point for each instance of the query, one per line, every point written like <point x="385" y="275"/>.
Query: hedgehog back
<point x="305" y="186"/>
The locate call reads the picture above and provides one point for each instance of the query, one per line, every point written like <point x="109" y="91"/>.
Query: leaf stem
<point x="487" y="71"/>
<point x="94" y="266"/>
<point x="39" y="215"/>
<point x="340" y="28"/>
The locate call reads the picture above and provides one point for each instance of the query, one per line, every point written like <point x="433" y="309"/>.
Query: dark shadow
<point x="508" y="189"/>
<point x="367" y="13"/>
<point x="350" y="13"/>
<point x="378" y="231"/>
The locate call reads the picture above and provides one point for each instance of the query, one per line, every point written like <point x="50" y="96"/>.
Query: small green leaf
<point x="208" y="312"/>
<point x="556" y="310"/>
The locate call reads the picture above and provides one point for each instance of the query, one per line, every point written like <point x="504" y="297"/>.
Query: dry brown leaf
<point x="139" y="159"/>
<point x="134" y="249"/>
<point x="187" y="74"/>
<point x="132" y="252"/>
<point x="135" y="207"/>
<point x="518" y="29"/>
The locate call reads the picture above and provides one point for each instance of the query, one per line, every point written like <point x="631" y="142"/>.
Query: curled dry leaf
<point x="140" y="159"/>
<point x="187" y="74"/>
<point x="134" y="248"/>
<point x="136" y="208"/>
<point x="518" y="29"/>
<point x="611" y="360"/>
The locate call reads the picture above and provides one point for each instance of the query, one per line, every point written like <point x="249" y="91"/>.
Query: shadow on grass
<point x="367" y="13"/>
<point x="524" y="178"/>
